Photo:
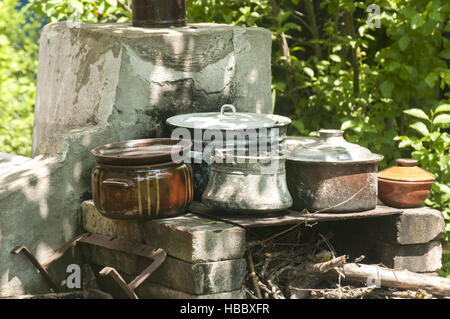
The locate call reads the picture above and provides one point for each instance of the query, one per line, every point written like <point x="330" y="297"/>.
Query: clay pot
<point x="404" y="185"/>
<point x="156" y="190"/>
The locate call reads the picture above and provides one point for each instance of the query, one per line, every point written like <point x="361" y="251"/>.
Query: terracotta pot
<point x="405" y="185"/>
<point x="140" y="191"/>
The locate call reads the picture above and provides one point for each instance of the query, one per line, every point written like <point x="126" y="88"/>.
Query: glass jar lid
<point x="228" y="119"/>
<point x="331" y="147"/>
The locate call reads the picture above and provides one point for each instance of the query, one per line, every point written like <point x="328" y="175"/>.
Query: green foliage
<point x="84" y="10"/>
<point x="18" y="63"/>
<point x="431" y="147"/>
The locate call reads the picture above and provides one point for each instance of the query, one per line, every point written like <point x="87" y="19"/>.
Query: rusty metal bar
<point x="156" y="255"/>
<point x="42" y="270"/>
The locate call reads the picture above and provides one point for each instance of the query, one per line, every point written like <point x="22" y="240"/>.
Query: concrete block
<point x="195" y="239"/>
<point x="419" y="225"/>
<point x="197" y="279"/>
<point x="189" y="237"/>
<point x="202" y="278"/>
<point x="417" y="258"/>
<point x="94" y="222"/>
<point x="413" y="226"/>
<point x="151" y="290"/>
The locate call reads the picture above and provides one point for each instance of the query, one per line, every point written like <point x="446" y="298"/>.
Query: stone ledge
<point x="189" y="237"/>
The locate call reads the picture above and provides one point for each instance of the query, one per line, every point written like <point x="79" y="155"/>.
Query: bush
<point x="18" y="63"/>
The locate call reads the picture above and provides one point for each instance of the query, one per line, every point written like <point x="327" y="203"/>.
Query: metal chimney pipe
<point x="159" y="13"/>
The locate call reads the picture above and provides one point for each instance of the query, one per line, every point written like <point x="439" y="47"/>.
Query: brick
<point x="188" y="237"/>
<point x="417" y="258"/>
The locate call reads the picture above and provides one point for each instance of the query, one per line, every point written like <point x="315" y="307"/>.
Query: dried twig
<point x="251" y="267"/>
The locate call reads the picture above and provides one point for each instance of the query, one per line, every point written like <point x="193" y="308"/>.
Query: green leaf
<point x="431" y="79"/>
<point x="386" y="89"/>
<point x="442" y="108"/>
<point x="403" y="43"/>
<point x="348" y="125"/>
<point x="442" y="119"/>
<point x="309" y="72"/>
<point x="417" y="113"/>
<point x="420" y="127"/>
<point x="336" y="58"/>
<point x="445" y="54"/>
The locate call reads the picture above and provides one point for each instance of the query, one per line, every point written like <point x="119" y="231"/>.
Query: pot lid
<point x="406" y="170"/>
<point x="141" y="152"/>
<point x="330" y="147"/>
<point x="228" y="119"/>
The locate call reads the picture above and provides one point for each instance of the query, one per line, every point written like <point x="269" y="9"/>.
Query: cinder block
<point x="190" y="238"/>
<point x="419" y="225"/>
<point x="201" y="278"/>
<point x="416" y="258"/>
<point x="196" y="279"/>
<point x="151" y="290"/>
<point x="413" y="226"/>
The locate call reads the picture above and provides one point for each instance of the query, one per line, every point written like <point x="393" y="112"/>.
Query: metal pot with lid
<point x="330" y="174"/>
<point x="244" y="133"/>
<point x="247" y="184"/>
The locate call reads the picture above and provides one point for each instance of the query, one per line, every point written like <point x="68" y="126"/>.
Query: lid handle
<point x="406" y="162"/>
<point x="227" y="106"/>
<point x="330" y="133"/>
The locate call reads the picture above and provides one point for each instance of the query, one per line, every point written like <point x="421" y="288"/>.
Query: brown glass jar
<point x="159" y="13"/>
<point x="142" y="192"/>
<point x="138" y="179"/>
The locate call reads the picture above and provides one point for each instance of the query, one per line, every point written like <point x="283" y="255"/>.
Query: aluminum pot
<point x="135" y="179"/>
<point x="247" y="185"/>
<point x="159" y="13"/>
<point x="328" y="174"/>
<point x="246" y="133"/>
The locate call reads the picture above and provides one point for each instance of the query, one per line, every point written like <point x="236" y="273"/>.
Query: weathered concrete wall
<point x="102" y="83"/>
<point x="118" y="76"/>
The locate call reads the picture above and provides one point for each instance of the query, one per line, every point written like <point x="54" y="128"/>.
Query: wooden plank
<point x="288" y="217"/>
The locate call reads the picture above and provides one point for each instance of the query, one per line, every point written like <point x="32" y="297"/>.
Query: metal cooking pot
<point x="328" y="174"/>
<point x="244" y="133"/>
<point x="247" y="185"/>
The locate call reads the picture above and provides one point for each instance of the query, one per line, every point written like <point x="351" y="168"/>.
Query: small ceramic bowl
<point x="405" y="185"/>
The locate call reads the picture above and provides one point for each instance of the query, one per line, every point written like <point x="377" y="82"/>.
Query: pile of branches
<point x="283" y="268"/>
